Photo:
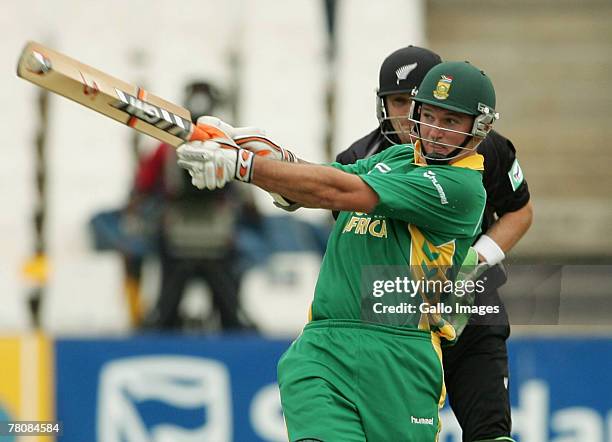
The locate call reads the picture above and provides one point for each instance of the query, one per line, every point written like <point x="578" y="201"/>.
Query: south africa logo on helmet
<point x="443" y="87"/>
<point x="458" y="86"/>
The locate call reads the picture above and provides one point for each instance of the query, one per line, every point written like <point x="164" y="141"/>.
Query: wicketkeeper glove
<point x="471" y="270"/>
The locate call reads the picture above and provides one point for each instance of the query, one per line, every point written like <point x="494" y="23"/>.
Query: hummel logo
<point x="403" y="72"/>
<point x="430" y="174"/>
<point x="421" y="420"/>
<point x="381" y="167"/>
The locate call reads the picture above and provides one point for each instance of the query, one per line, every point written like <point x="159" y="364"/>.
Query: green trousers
<point x="350" y="381"/>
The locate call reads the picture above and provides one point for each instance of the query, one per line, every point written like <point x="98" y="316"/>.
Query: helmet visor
<point x="393" y="117"/>
<point x="439" y="143"/>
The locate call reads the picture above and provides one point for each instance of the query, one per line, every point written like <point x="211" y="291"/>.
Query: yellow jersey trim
<point x="474" y="161"/>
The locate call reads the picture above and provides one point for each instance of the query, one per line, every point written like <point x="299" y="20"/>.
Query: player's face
<point x="437" y="140"/>
<point x="398" y="107"/>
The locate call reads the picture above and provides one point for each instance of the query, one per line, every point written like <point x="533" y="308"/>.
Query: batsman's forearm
<point x="314" y="186"/>
<point x="306" y="184"/>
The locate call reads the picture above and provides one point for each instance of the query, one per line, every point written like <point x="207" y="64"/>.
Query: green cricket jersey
<point x="427" y="217"/>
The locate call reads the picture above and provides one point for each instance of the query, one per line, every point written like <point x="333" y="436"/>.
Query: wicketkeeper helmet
<point x="401" y="72"/>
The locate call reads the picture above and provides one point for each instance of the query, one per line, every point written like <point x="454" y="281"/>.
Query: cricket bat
<point x="121" y="101"/>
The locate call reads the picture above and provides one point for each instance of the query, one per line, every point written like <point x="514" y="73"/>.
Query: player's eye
<point x="426" y="116"/>
<point x="452" y="121"/>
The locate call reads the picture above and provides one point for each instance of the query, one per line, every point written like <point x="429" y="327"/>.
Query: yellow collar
<point x="473" y="161"/>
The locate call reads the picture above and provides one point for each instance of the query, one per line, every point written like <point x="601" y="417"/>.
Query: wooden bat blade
<point x="121" y="101"/>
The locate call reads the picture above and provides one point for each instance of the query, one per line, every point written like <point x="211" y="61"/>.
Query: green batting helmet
<point x="457" y="86"/>
<point x="461" y="87"/>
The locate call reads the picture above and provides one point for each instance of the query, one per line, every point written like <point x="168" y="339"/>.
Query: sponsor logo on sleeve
<point x="516" y="175"/>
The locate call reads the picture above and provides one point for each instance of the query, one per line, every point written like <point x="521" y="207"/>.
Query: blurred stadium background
<point x="551" y="62"/>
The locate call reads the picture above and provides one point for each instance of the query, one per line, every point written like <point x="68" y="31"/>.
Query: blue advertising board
<point x="154" y="388"/>
<point x="560" y="389"/>
<point x="181" y="388"/>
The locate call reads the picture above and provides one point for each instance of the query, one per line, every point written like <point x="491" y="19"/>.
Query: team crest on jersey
<point x="443" y="87"/>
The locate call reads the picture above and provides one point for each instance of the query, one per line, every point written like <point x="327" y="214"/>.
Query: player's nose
<point x="435" y="133"/>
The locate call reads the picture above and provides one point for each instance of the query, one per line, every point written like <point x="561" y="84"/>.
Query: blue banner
<point x="181" y="388"/>
<point x="560" y="389"/>
<point x="155" y="388"/>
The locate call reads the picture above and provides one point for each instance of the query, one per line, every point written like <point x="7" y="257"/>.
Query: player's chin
<point x="435" y="151"/>
<point x="405" y="139"/>
<point x="403" y="133"/>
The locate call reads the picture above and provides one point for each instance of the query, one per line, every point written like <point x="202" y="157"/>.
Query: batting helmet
<point x="460" y="87"/>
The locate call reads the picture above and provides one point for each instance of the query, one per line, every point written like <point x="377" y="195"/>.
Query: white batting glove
<point x="249" y="138"/>
<point x="255" y="141"/>
<point x="211" y="165"/>
<point x="217" y="123"/>
<point x="219" y="130"/>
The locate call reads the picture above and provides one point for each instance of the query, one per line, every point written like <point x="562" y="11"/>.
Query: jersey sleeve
<point x="359" y="167"/>
<point x="507" y="189"/>
<point x="450" y="202"/>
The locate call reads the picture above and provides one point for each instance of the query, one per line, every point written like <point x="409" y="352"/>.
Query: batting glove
<point x="254" y="140"/>
<point x="211" y="165"/>
<point x="249" y="138"/>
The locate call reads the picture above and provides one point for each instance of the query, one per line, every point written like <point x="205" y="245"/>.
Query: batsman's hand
<point x="218" y="130"/>
<point x="212" y="164"/>
<point x="254" y="140"/>
<point x="249" y="138"/>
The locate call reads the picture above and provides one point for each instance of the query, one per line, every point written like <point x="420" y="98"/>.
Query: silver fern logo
<point x="403" y="72"/>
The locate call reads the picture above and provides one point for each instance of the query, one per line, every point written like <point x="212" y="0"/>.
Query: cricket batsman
<point x="357" y="373"/>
